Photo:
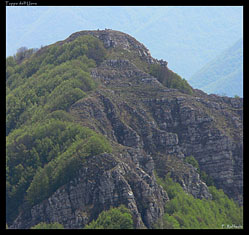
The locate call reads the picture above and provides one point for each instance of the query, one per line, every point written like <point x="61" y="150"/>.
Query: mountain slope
<point x="224" y="74"/>
<point x="93" y="120"/>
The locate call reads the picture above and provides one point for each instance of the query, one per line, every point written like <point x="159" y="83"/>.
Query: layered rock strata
<point x="151" y="128"/>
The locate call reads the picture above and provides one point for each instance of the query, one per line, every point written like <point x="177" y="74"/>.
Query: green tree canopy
<point x="170" y="79"/>
<point x="43" y="225"/>
<point x="186" y="212"/>
<point x="115" y="218"/>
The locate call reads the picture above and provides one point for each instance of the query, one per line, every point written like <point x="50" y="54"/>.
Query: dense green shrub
<point x="114" y="218"/>
<point x="191" y="160"/>
<point x="206" y="178"/>
<point x="203" y="175"/>
<point x="48" y="226"/>
<point x="170" y="79"/>
<point x="60" y="115"/>
<point x="185" y="211"/>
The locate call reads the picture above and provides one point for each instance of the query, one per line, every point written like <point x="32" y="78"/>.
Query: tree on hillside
<point x="115" y="218"/>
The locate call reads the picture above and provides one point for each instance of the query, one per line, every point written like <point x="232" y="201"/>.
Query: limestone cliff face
<point x="106" y="180"/>
<point x="150" y="128"/>
<point x="171" y="125"/>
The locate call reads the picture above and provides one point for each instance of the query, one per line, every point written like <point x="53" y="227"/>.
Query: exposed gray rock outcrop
<point x="152" y="128"/>
<point x="105" y="181"/>
<point x="172" y="123"/>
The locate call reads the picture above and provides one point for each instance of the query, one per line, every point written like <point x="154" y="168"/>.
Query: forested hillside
<point x="98" y="136"/>
<point x="44" y="146"/>
<point x="224" y="74"/>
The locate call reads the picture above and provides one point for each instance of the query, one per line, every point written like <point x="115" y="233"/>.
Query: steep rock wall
<point x="106" y="180"/>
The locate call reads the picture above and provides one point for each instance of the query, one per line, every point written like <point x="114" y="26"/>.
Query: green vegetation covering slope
<point x="48" y="226"/>
<point x="44" y="146"/>
<point x="183" y="211"/>
<point x="51" y="79"/>
<point x="170" y="79"/>
<point x="114" y="218"/>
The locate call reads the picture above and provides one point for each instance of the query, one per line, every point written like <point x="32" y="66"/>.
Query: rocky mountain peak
<point x="112" y="38"/>
<point x="151" y="127"/>
<point x="116" y="39"/>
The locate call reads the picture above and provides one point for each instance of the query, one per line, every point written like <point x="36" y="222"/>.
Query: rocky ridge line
<point x="152" y="128"/>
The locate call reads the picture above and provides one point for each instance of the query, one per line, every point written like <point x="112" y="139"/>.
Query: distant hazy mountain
<point x="224" y="74"/>
<point x="186" y="37"/>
